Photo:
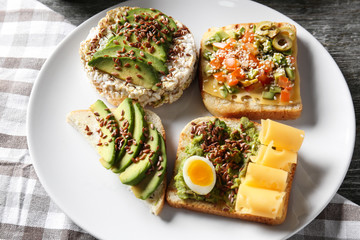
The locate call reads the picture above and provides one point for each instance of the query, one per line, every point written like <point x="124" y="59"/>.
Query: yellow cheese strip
<point x="259" y="202"/>
<point x="281" y="159"/>
<point x="265" y="177"/>
<point x="264" y="127"/>
<point x="283" y="136"/>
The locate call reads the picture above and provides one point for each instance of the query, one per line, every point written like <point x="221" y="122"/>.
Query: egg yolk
<point x="200" y="173"/>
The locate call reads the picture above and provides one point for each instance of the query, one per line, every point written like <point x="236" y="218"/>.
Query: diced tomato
<point x="285" y="95"/>
<point x="225" y="45"/>
<point x="231" y="63"/>
<point x="284" y="82"/>
<point x="253" y="59"/>
<point x="239" y="73"/>
<point x="292" y="60"/>
<point x="253" y="87"/>
<point x="232" y="81"/>
<point x="221" y="45"/>
<point x="251" y="48"/>
<point x="220" y="76"/>
<point x="231" y="40"/>
<point x="289" y="88"/>
<point x="263" y="78"/>
<point x="220" y="54"/>
<point x="248" y="37"/>
<point x="267" y="65"/>
<point x="215" y="63"/>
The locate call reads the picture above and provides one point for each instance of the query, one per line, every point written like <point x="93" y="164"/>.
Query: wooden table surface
<point x="336" y="24"/>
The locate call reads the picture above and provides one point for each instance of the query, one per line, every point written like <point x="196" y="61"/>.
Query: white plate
<point x="95" y="199"/>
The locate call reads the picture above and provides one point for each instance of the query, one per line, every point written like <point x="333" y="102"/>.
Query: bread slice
<point x="218" y="209"/>
<point x="245" y="103"/>
<point x="85" y="119"/>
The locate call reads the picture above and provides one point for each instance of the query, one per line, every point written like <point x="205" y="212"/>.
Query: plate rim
<point x="102" y="13"/>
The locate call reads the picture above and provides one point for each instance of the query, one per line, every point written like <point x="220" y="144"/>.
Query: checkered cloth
<point x="29" y="32"/>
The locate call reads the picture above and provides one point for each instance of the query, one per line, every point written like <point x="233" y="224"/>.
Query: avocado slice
<point x="157" y="50"/>
<point x="167" y="23"/>
<point x="125" y="116"/>
<point x="106" y="147"/>
<point x="150" y="183"/>
<point x="115" y="51"/>
<point x="155" y="14"/>
<point x="138" y="137"/>
<point x="137" y="171"/>
<point x="105" y="164"/>
<point x="128" y="69"/>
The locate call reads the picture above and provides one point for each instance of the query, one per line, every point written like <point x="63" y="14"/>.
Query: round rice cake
<point x="181" y="64"/>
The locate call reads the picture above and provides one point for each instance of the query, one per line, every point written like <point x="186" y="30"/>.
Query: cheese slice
<point x="280" y="159"/>
<point x="265" y="177"/>
<point x="213" y="87"/>
<point x="264" y="127"/>
<point x="283" y="136"/>
<point x="259" y="202"/>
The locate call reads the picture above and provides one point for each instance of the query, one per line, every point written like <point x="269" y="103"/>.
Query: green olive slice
<point x="267" y="28"/>
<point x="282" y="43"/>
<point x="288" y="31"/>
<point x="273" y="32"/>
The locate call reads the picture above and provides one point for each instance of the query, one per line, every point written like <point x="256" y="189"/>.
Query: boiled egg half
<point x="199" y="174"/>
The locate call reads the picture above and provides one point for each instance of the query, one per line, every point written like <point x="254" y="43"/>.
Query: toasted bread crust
<point x="225" y="108"/>
<point x="79" y="119"/>
<point x="222" y="107"/>
<point x="218" y="209"/>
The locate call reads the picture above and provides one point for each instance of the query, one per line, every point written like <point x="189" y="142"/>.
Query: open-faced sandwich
<point x="130" y="142"/>
<point x="235" y="168"/>
<point x="251" y="70"/>
<point x="139" y="53"/>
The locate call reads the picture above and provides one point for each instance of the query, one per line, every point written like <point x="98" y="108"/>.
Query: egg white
<point x="202" y="190"/>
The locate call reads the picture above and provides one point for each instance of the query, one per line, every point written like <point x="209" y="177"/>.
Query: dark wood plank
<point x="336" y="24"/>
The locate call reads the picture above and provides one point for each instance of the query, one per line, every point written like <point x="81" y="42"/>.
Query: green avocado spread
<point x="229" y="149"/>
